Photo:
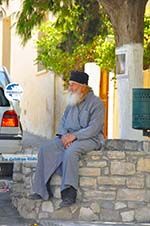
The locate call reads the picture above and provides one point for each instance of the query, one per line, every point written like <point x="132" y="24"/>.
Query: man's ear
<point x="83" y="88"/>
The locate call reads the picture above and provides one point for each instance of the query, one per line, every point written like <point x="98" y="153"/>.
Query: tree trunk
<point x="127" y="18"/>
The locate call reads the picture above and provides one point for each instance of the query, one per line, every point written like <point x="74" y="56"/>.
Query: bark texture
<point x="127" y="17"/>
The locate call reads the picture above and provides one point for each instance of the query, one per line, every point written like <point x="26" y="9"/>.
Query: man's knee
<point x="70" y="153"/>
<point x="46" y="147"/>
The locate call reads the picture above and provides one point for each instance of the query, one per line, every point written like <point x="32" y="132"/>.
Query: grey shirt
<point x="84" y="120"/>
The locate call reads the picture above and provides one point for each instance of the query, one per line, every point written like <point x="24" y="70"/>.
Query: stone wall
<point x="114" y="185"/>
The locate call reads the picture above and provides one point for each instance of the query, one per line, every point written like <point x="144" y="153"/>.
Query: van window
<point x="3" y="79"/>
<point x="3" y="100"/>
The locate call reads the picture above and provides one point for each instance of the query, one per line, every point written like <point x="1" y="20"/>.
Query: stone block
<point x="120" y="205"/>
<point x="94" y="153"/>
<point x="143" y="165"/>
<point x="111" y="180"/>
<point x="122" y="168"/>
<point x="31" y="165"/>
<point x="62" y="213"/>
<point x="132" y="158"/>
<point x="135" y="182"/>
<point x="107" y="204"/>
<point x="17" y="167"/>
<point x="43" y="216"/>
<point x="89" y="172"/>
<point x="147" y="196"/>
<point x="131" y="195"/>
<point x="18" y="188"/>
<point x="134" y="154"/>
<point x="81" y="163"/>
<point x="127" y="216"/>
<point x="87" y="214"/>
<point x="27" y="208"/>
<point x="106" y="188"/>
<point x="146" y="146"/>
<point x="87" y="182"/>
<point x="56" y="180"/>
<point x="142" y="214"/>
<point x="109" y="215"/>
<point x="116" y="155"/>
<point x="47" y="207"/>
<point x="27" y="181"/>
<point x="17" y="177"/>
<point x="135" y="204"/>
<point x="56" y="192"/>
<point x="56" y="203"/>
<point x="99" y="195"/>
<point x="96" y="163"/>
<point x="105" y="171"/>
<point x="148" y="181"/>
<point x="114" y="144"/>
<point x="95" y="207"/>
<point x="75" y="208"/>
<point x="26" y="171"/>
<point x="37" y="206"/>
<point x="95" y="157"/>
<point x="131" y="145"/>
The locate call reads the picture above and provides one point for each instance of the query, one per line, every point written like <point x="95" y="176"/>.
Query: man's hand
<point x="67" y="139"/>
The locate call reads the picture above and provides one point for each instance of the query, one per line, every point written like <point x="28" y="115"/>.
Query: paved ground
<point x="81" y="223"/>
<point x="9" y="215"/>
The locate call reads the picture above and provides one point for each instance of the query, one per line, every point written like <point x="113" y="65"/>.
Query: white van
<point x="10" y="126"/>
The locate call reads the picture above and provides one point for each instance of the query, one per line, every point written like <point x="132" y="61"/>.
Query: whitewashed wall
<point x="131" y="78"/>
<point x="0" y="42"/>
<point x="37" y="104"/>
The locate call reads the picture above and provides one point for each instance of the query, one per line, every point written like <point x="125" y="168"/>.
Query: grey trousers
<point x="52" y="156"/>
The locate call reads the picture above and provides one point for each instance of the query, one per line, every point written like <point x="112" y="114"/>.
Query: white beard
<point x="73" y="98"/>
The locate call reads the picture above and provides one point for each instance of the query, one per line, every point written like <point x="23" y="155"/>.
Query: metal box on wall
<point x="141" y="109"/>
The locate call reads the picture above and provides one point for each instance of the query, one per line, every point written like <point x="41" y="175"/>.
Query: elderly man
<point x="80" y="131"/>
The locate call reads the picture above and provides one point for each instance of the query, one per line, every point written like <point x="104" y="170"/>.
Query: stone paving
<point x="81" y="223"/>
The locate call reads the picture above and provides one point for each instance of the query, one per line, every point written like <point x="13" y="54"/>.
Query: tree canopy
<point x="80" y="33"/>
<point x="1" y="1"/>
<point x="75" y="37"/>
<point x="69" y="41"/>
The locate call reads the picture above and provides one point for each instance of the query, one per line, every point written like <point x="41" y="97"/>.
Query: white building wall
<point x="37" y="104"/>
<point x="111" y="106"/>
<point x="93" y="70"/>
<point x="60" y="101"/>
<point x="131" y="78"/>
<point x="1" y="43"/>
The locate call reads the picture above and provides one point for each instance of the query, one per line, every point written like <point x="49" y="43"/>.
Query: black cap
<point x="79" y="76"/>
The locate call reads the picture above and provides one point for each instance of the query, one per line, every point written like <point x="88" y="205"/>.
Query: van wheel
<point x="6" y="169"/>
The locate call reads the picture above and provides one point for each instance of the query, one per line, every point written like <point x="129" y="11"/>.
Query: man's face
<point x="74" y="87"/>
<point x="74" y="93"/>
